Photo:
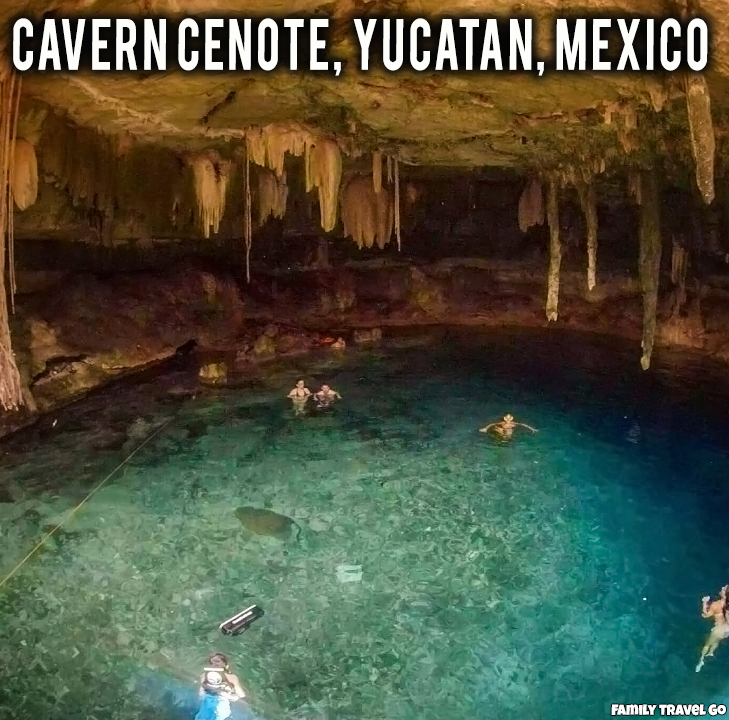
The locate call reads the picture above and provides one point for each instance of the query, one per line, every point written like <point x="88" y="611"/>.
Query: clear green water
<point x="545" y="579"/>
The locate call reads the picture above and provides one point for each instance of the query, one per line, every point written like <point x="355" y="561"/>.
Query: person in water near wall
<point x="218" y="686"/>
<point x="299" y="395"/>
<point x="326" y="397"/>
<point x="505" y="428"/>
<point x="716" y="610"/>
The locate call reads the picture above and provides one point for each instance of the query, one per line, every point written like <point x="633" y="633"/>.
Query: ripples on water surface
<point x="545" y="579"/>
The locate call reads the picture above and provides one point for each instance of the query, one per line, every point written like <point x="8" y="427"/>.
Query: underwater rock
<point x="213" y="373"/>
<point x="349" y="573"/>
<point x="318" y="525"/>
<point x="266" y="522"/>
<point x="370" y="335"/>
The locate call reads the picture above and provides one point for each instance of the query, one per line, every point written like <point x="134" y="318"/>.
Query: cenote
<point x="544" y="578"/>
<point x="178" y="249"/>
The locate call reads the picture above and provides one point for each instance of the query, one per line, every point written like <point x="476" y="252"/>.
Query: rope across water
<point x="74" y="510"/>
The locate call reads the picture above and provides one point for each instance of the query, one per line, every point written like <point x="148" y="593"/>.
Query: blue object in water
<point x="214" y="707"/>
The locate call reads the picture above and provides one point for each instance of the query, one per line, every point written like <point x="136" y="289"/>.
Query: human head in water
<point x="218" y="660"/>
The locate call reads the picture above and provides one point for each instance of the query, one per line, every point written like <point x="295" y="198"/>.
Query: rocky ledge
<point x="74" y="334"/>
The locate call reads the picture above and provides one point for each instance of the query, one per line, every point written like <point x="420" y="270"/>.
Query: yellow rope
<point x="73" y="511"/>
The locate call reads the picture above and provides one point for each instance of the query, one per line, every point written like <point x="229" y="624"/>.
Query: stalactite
<point x="32" y="165"/>
<point x="531" y="205"/>
<point x="635" y="186"/>
<point x="396" y="168"/>
<point x="658" y="95"/>
<point x="650" y="260"/>
<point x="367" y="216"/>
<point x="269" y="145"/>
<point x="377" y="171"/>
<point x="248" y="227"/>
<point x="588" y="201"/>
<point x="324" y="172"/>
<point x="211" y="175"/>
<point x="272" y="195"/>
<point x="703" y="142"/>
<point x="555" y="250"/>
<point x="25" y="174"/>
<point x="11" y="392"/>
<point x="389" y="169"/>
<point x="679" y="268"/>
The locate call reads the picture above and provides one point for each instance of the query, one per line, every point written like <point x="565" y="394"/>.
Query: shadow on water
<point x="485" y="580"/>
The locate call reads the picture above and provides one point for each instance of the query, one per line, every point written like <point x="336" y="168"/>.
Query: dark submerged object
<point x="242" y="621"/>
<point x="324" y="407"/>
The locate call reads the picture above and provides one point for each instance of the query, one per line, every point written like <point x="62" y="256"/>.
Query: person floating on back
<point x="325" y="397"/>
<point x="218" y="686"/>
<point x="716" y="610"/>
<point x="299" y="395"/>
<point x="505" y="428"/>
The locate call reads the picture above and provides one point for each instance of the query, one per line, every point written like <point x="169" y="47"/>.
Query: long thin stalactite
<point x="11" y="393"/>
<point x="248" y="227"/>
<point x="650" y="260"/>
<point x="396" y="164"/>
<point x="11" y="174"/>
<point x="555" y="250"/>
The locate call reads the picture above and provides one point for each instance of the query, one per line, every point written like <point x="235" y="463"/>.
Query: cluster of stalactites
<point x="211" y="175"/>
<point x="367" y="215"/>
<point x="268" y="146"/>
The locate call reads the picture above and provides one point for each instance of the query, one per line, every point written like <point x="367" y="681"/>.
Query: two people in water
<point x="323" y="399"/>
<point x="716" y="611"/>
<point x="505" y="428"/>
<point x="218" y="688"/>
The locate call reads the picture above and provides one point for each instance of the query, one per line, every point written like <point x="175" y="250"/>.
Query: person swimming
<point x="218" y="686"/>
<point x="505" y="428"/>
<point x="299" y="395"/>
<point x="325" y="397"/>
<point x="300" y="392"/>
<point x="716" y="610"/>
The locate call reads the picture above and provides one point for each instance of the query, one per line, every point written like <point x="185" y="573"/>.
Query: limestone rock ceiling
<point x="494" y="119"/>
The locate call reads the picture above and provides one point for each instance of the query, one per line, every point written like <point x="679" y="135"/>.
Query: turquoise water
<point x="546" y="578"/>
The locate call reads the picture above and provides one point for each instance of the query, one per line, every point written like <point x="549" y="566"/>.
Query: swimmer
<point x="326" y="396"/>
<point x="718" y="611"/>
<point x="338" y="344"/>
<point x="218" y="686"/>
<point x="300" y="393"/>
<point x="505" y="428"/>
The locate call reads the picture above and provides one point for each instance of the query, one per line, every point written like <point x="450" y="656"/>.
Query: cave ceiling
<point x="508" y="120"/>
